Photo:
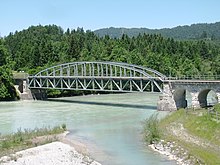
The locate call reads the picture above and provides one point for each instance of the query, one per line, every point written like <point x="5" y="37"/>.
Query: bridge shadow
<point x="105" y="104"/>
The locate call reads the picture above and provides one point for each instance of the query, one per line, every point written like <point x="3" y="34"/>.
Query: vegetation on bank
<point x="194" y="130"/>
<point x="28" y="138"/>
<point x="151" y="129"/>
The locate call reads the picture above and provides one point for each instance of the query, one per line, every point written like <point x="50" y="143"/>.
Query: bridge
<point x="98" y="76"/>
<point x="123" y="77"/>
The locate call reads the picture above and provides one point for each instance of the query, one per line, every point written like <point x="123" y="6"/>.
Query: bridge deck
<point x="193" y="81"/>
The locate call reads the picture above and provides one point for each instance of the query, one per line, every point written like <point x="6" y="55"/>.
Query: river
<point x="109" y="125"/>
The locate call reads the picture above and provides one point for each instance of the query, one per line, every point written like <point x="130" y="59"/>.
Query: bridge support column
<point x="195" y="100"/>
<point x="23" y="90"/>
<point x="166" y="102"/>
<point x="39" y="94"/>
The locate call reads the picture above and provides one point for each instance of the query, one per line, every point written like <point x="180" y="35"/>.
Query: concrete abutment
<point x="21" y="86"/>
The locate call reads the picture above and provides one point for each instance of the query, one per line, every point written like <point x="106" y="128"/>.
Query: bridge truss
<point x="98" y="76"/>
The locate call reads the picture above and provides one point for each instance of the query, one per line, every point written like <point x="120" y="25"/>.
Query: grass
<point x="204" y="127"/>
<point x="172" y="117"/>
<point x="199" y="125"/>
<point x="151" y="129"/>
<point x="27" y="138"/>
<point x="217" y="107"/>
<point x="205" y="155"/>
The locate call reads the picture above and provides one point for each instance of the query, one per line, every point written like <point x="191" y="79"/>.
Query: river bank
<point x="174" y="152"/>
<point x="48" y="154"/>
<point x="61" y="151"/>
<point x="190" y="137"/>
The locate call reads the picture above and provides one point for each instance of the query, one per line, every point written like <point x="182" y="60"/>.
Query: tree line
<point x="193" y="32"/>
<point x="7" y="91"/>
<point x="39" y="47"/>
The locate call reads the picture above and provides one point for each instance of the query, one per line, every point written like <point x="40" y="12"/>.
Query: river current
<point x="109" y="125"/>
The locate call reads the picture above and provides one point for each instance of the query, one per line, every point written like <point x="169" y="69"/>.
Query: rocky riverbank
<point x="48" y="154"/>
<point x="174" y="152"/>
<point x="190" y="137"/>
<point x="63" y="151"/>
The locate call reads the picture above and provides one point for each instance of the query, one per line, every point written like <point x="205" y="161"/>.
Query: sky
<point x="96" y="14"/>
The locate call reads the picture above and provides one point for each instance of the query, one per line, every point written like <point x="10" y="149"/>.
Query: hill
<point x="194" y="31"/>
<point x="40" y="47"/>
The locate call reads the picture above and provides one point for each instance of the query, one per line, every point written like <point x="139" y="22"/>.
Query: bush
<point x="151" y="129"/>
<point x="63" y="126"/>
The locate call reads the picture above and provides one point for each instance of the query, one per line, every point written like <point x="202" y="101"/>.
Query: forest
<point x="206" y="31"/>
<point x="39" y="47"/>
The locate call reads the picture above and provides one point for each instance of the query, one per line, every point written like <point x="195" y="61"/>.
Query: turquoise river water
<point x="109" y="125"/>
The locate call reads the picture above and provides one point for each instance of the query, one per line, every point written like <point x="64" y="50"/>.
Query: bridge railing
<point x="194" y="77"/>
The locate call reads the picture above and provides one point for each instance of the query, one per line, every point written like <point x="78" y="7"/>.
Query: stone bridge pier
<point x="188" y="93"/>
<point x="21" y="86"/>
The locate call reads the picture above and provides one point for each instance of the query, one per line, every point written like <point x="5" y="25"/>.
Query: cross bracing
<point x="98" y="76"/>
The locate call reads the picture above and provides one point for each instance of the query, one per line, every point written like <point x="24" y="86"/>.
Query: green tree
<point x="7" y="90"/>
<point x="3" y="54"/>
<point x="118" y="54"/>
<point x="204" y="35"/>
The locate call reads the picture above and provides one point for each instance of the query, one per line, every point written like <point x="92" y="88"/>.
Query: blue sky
<point x="96" y="14"/>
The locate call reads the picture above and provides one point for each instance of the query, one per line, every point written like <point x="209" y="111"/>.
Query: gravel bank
<point x="48" y="154"/>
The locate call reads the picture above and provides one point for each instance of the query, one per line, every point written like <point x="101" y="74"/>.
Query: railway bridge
<point x="123" y="77"/>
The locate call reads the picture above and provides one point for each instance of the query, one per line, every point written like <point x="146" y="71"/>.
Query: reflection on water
<point x="110" y="125"/>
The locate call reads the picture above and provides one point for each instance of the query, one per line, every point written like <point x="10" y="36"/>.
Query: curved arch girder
<point x="148" y="72"/>
<point x="98" y="76"/>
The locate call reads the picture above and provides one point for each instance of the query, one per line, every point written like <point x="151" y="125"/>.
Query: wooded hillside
<point x="39" y="47"/>
<point x="192" y="32"/>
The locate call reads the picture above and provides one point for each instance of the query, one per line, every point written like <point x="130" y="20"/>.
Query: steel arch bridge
<point x="98" y="76"/>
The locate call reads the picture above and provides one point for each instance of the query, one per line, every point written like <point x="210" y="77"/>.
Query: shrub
<point x="151" y="129"/>
<point x="5" y="144"/>
<point x="64" y="127"/>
